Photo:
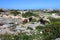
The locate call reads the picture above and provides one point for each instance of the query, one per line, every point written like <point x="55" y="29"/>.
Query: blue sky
<point x="30" y="4"/>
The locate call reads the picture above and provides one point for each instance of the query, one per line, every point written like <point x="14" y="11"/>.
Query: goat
<point x="44" y="20"/>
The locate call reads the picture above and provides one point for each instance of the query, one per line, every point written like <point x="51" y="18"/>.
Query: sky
<point x="30" y="4"/>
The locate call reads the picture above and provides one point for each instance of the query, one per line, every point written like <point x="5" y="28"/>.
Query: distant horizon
<point x="30" y="9"/>
<point x="30" y="4"/>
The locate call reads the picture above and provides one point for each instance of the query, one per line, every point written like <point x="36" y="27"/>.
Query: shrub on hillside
<point x="15" y="12"/>
<point x="28" y="14"/>
<point x="49" y="32"/>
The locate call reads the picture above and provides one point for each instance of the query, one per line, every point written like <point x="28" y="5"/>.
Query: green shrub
<point x="21" y="36"/>
<point x="30" y="28"/>
<point x="15" y="12"/>
<point x="28" y="14"/>
<point x="51" y="31"/>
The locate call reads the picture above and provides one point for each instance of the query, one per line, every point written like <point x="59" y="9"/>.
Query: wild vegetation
<point x="48" y="32"/>
<point x="28" y="14"/>
<point x="15" y="12"/>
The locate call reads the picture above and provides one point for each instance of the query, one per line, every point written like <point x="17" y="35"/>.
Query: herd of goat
<point x="42" y="20"/>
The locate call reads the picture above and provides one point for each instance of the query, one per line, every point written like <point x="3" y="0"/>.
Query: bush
<point x="54" y="20"/>
<point x="51" y="31"/>
<point x="15" y="12"/>
<point x="28" y="14"/>
<point x="20" y="36"/>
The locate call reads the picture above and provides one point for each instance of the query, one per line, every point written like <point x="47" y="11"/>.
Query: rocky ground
<point x="15" y="26"/>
